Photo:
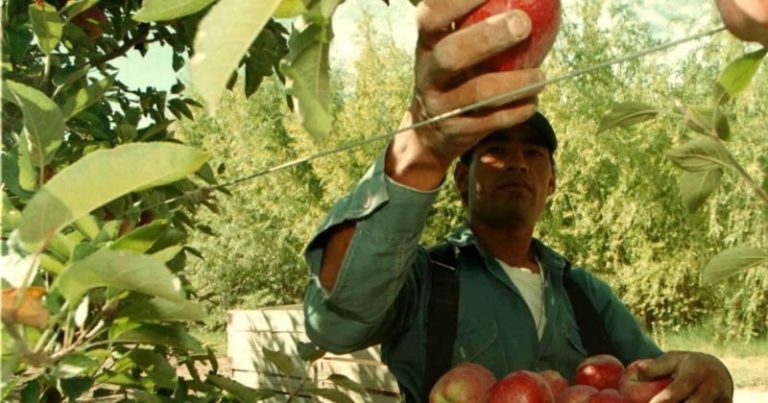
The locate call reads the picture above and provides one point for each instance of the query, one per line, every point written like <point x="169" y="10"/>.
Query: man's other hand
<point x="697" y="378"/>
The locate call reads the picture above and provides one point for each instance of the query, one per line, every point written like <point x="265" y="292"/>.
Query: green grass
<point x="747" y="360"/>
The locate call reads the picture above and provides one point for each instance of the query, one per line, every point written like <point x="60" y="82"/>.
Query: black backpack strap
<point x="442" y="314"/>
<point x="594" y="336"/>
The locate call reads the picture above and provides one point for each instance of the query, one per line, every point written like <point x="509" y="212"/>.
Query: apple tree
<point x="99" y="198"/>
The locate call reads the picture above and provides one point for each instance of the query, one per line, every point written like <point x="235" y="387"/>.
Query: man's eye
<point x="534" y="152"/>
<point x="495" y="150"/>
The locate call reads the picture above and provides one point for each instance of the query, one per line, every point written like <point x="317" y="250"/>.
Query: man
<point x="370" y="274"/>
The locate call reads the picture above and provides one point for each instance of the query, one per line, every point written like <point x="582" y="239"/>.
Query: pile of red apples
<point x="598" y="379"/>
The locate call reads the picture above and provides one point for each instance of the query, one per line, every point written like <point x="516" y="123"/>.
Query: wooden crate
<point x="282" y="327"/>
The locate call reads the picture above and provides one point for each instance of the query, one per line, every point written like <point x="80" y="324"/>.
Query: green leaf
<point x="167" y="254"/>
<point x="119" y="269"/>
<point x="180" y="108"/>
<point x="163" y="10"/>
<point x="10" y="218"/>
<point x="69" y="75"/>
<point x="19" y="40"/>
<point x="76" y="386"/>
<point x="708" y="120"/>
<point x="626" y="115"/>
<point x="281" y="360"/>
<point x="73" y="365"/>
<point x="333" y="395"/>
<point x="695" y="187"/>
<point x="240" y="391"/>
<point x="86" y="97"/>
<point x="700" y="154"/>
<point x="206" y="173"/>
<point x="739" y="73"/>
<point x="42" y="120"/>
<point x="11" y="174"/>
<point x="161" y="335"/>
<point x="346" y="383"/>
<point x="307" y="67"/>
<point x="27" y="174"/>
<point x="222" y="39"/>
<point x="731" y="262"/>
<point x="31" y="392"/>
<point x="156" y="366"/>
<point x="159" y="309"/>
<point x="75" y="7"/>
<point x="702" y="161"/>
<point x="99" y="178"/>
<point x="87" y="226"/>
<point x="309" y="352"/>
<point x="142" y="238"/>
<point x="47" y="25"/>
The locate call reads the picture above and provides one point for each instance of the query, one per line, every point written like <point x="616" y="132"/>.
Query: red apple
<point x="521" y="387"/>
<point x="640" y="391"/>
<point x="555" y="380"/>
<point x="601" y="371"/>
<point x="92" y="21"/>
<point x="608" y="396"/>
<point x="545" y="23"/>
<point x="576" y="394"/>
<point x="464" y="383"/>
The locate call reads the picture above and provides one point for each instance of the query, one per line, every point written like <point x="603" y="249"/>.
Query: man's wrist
<point x="410" y="162"/>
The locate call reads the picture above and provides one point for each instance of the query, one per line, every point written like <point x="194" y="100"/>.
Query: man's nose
<point x="515" y="161"/>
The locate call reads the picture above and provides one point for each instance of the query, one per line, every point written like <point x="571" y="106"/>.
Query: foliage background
<point x="617" y="210"/>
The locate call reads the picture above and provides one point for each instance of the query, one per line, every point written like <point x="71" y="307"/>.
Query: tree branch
<point x="141" y="37"/>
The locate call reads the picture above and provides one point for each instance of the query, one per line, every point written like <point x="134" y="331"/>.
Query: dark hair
<point x="538" y="122"/>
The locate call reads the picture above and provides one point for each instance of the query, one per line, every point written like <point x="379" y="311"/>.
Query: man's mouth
<point x="515" y="184"/>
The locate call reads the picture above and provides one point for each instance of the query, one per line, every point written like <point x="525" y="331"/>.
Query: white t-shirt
<point x="531" y="287"/>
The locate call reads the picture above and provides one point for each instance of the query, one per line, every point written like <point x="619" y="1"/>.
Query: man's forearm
<point x="407" y="162"/>
<point x="335" y="250"/>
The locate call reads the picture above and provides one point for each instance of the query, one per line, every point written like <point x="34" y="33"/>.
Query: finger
<point x="462" y="49"/>
<point x="677" y="391"/>
<point x="661" y="366"/>
<point x="705" y="394"/>
<point x="487" y="86"/>
<point x="474" y="127"/>
<point x="437" y="15"/>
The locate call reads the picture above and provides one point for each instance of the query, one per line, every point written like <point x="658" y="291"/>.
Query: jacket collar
<point x="552" y="261"/>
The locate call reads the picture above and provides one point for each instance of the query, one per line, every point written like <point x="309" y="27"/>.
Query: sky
<point x="397" y="20"/>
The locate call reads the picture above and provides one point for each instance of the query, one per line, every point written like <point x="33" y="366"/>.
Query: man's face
<point x="508" y="180"/>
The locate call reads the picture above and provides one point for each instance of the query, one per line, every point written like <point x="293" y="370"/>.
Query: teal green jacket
<point x="381" y="293"/>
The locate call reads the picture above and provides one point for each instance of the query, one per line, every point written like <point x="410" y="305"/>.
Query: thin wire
<point x="471" y="107"/>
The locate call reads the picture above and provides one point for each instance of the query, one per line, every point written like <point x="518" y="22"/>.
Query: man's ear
<point x="552" y="186"/>
<point x="461" y="177"/>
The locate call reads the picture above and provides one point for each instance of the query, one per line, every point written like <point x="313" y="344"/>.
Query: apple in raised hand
<point x="545" y="24"/>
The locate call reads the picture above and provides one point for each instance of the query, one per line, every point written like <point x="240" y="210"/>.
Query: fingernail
<point x="519" y="24"/>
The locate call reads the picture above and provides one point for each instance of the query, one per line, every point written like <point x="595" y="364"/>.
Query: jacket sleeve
<point x="376" y="291"/>
<point x="626" y="335"/>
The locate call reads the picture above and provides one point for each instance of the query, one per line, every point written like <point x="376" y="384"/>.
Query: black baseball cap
<point x="545" y="135"/>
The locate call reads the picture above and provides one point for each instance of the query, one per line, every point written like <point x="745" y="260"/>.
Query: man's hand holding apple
<point x="697" y="377"/>
<point x="746" y="19"/>
<point x="444" y="81"/>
